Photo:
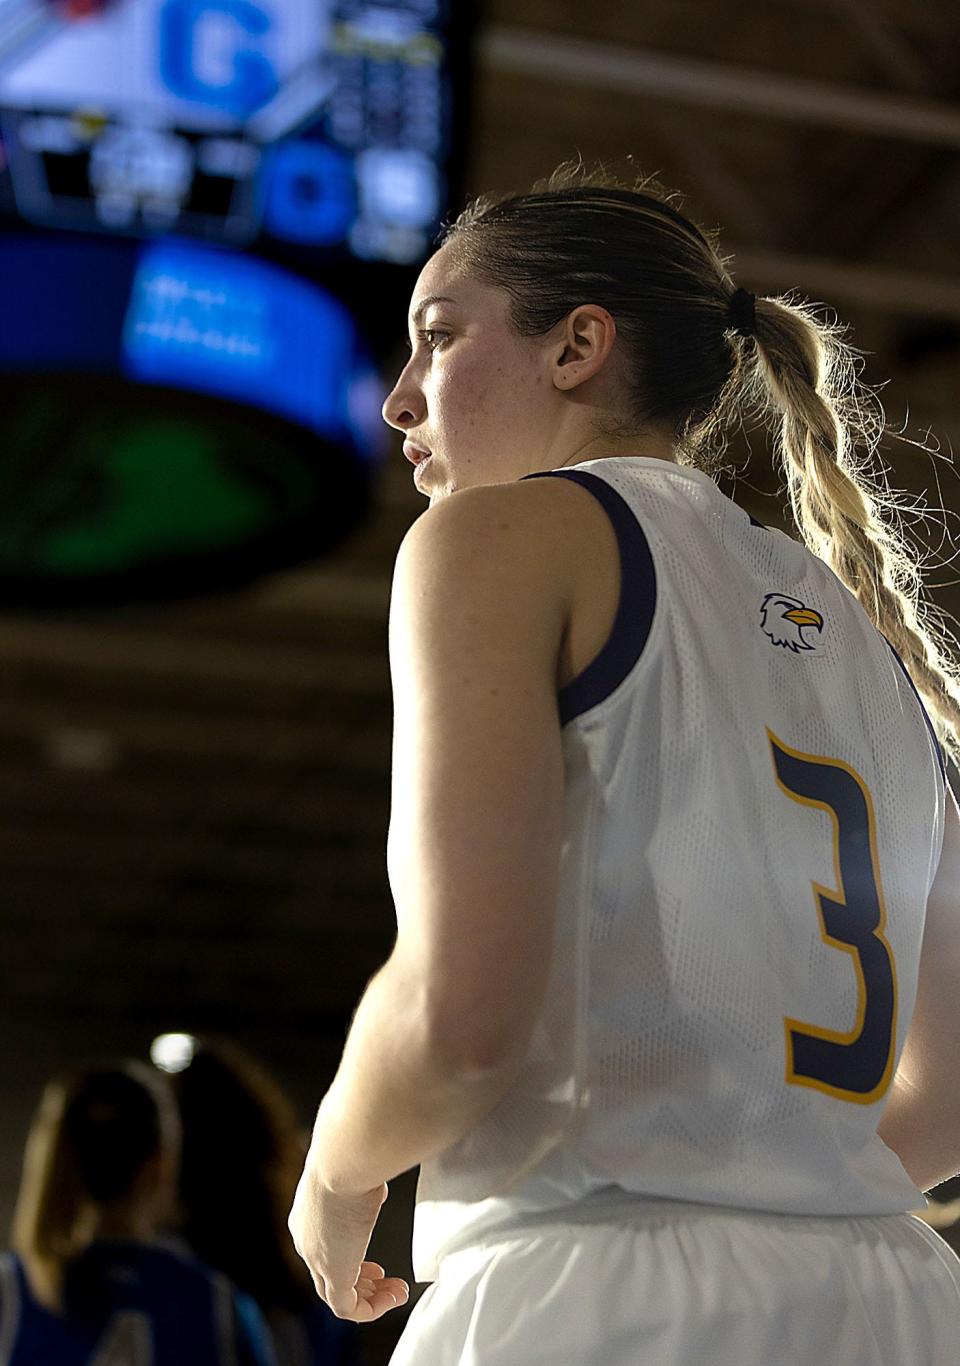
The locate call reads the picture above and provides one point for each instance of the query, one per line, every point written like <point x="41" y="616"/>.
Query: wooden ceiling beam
<point x="717" y="85"/>
<point x="881" y="288"/>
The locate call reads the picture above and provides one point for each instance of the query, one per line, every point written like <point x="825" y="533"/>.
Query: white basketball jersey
<point x="754" y="818"/>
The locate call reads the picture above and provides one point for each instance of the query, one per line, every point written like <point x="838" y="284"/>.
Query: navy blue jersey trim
<point x="638" y="599"/>
<point x="933" y="734"/>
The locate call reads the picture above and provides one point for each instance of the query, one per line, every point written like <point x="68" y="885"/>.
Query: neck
<point x="130" y="1224"/>
<point x="644" y="444"/>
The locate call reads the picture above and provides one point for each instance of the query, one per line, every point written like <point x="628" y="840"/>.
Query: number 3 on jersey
<point x="858" y="1065"/>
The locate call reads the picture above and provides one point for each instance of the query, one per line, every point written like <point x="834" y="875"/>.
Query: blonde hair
<point x="584" y="236"/>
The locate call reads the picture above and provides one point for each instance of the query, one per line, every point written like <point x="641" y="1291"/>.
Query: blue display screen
<point x="184" y="315"/>
<point x="322" y="123"/>
<point x="242" y="329"/>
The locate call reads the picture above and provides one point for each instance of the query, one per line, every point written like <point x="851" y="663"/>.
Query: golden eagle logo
<point x="783" y="620"/>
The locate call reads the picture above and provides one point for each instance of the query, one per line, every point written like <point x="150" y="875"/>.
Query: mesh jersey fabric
<point x="754" y="812"/>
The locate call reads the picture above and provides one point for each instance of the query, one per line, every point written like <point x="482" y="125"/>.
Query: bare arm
<point x="922" y="1120"/>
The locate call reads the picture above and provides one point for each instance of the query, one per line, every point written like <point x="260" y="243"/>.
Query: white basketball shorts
<point x="708" y="1286"/>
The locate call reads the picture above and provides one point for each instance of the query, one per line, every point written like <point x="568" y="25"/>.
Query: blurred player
<point x="673" y="856"/>
<point x="240" y="1133"/>
<point x="90" y="1283"/>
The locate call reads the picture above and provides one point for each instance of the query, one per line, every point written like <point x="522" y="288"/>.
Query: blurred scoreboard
<point x="212" y="213"/>
<point x="323" y="124"/>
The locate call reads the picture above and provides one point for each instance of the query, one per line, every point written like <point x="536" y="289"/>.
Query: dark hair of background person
<point x="583" y="236"/>
<point x="94" y="1134"/>
<point x="241" y="1158"/>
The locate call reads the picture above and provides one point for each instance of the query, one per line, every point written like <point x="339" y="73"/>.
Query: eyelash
<point x="429" y="332"/>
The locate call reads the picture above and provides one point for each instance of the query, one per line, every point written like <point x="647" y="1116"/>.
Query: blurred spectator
<point x="89" y="1278"/>
<point x="243" y="1152"/>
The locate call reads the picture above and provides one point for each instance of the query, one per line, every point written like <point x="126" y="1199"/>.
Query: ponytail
<point x="801" y="377"/>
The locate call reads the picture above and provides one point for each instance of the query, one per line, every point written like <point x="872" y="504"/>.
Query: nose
<point x="403" y="407"/>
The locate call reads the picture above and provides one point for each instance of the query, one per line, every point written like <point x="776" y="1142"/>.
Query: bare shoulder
<point x="572" y="535"/>
<point x="551" y="520"/>
<point x="553" y="534"/>
<point x="559" y="517"/>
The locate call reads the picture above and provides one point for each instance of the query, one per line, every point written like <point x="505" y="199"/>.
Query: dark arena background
<point x="212" y="216"/>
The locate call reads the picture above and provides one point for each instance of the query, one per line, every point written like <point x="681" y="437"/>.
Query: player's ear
<point x="586" y="340"/>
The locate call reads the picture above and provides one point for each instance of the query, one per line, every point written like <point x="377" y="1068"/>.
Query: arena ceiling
<point x="194" y="800"/>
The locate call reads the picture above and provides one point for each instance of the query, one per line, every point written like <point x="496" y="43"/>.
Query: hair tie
<point x="742" y="313"/>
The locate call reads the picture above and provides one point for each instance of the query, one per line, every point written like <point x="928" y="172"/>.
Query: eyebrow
<point x="424" y="304"/>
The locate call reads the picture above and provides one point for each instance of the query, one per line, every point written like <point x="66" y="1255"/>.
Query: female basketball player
<point x="673" y="856"/>
<point x="90" y="1282"/>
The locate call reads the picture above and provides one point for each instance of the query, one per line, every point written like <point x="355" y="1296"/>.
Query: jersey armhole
<point x="937" y="749"/>
<point x="635" y="610"/>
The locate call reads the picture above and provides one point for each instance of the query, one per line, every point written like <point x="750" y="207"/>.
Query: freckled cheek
<point x="459" y="394"/>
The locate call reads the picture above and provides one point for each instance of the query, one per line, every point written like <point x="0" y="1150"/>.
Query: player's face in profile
<point x="472" y="393"/>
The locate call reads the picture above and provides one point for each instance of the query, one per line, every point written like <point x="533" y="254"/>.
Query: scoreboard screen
<point x="324" y="124"/>
<point x="212" y="213"/>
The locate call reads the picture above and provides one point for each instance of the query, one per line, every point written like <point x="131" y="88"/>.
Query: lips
<point x="415" y="454"/>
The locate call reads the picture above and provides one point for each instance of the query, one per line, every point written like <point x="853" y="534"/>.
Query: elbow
<point x="926" y="1150"/>
<point x="469" y="1048"/>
